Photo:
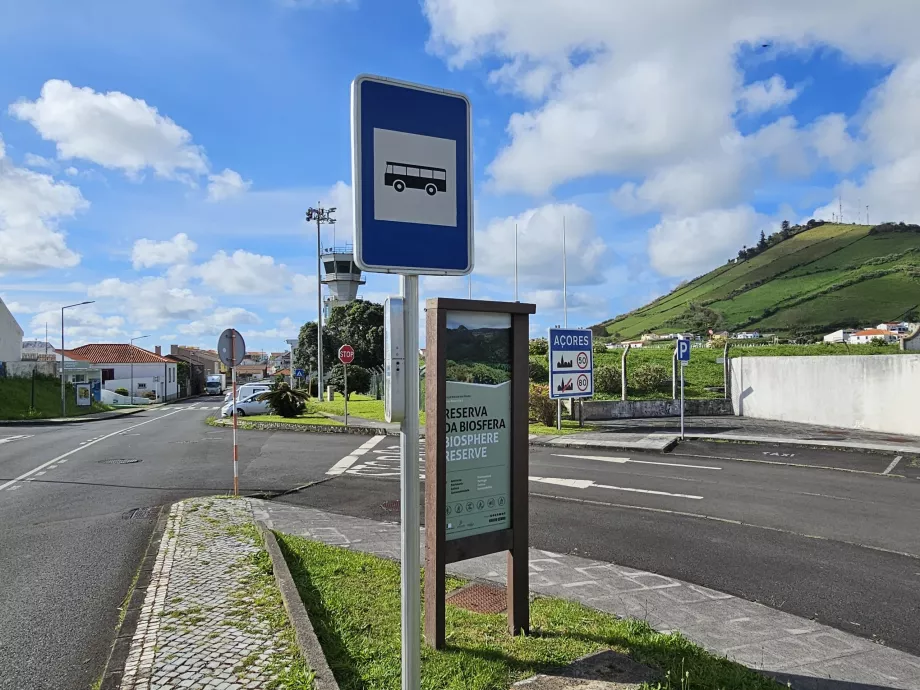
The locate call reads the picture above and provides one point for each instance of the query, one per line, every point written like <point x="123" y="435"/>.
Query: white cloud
<point x="246" y="273"/>
<point x="148" y="253"/>
<point x="551" y="300"/>
<point x="540" y="247"/>
<point x="284" y="329"/>
<point x="33" y="160"/>
<point x="763" y="96"/>
<point x="688" y="246"/>
<point x="226" y="184"/>
<point x="152" y="302"/>
<point x="223" y="317"/>
<point x="31" y="206"/>
<point x="832" y="141"/>
<point x="111" y="129"/>
<point x="83" y="325"/>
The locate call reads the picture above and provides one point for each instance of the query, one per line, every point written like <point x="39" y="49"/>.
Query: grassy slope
<point x="353" y="602"/>
<point x="792" y="274"/>
<point x="16" y="397"/>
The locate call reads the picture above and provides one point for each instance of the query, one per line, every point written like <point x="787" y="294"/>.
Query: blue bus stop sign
<point x="412" y="178"/>
<point x="683" y="350"/>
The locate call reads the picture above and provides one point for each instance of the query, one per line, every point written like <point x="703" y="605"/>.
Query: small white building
<point x="841" y="336"/>
<point x="124" y="366"/>
<point x="747" y="335"/>
<point x="10" y="336"/>
<point x="899" y="327"/>
<point x="868" y="335"/>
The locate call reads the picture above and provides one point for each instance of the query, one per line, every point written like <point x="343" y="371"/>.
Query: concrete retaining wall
<point x="876" y="392"/>
<point x="597" y="410"/>
<point x="24" y="369"/>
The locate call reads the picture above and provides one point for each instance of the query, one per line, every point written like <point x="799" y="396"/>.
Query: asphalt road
<point x="68" y="551"/>
<point x="765" y="523"/>
<point x="835" y="545"/>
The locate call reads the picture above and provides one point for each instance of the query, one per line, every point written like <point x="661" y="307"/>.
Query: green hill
<point x="811" y="282"/>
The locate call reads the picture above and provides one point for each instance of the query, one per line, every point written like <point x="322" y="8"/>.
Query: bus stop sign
<point x="412" y="178"/>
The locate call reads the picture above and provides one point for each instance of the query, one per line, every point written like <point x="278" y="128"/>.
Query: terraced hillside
<point x="820" y="279"/>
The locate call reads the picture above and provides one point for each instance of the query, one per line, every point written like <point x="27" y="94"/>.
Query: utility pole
<point x="132" y="364"/>
<point x="565" y="318"/>
<point x="840" y="209"/>
<point x="515" y="264"/>
<point x="320" y="215"/>
<point x="867" y="214"/>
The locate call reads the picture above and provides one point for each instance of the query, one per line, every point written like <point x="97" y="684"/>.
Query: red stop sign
<point x="346" y="354"/>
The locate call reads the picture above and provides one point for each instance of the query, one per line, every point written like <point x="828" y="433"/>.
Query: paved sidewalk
<point x="92" y="417"/>
<point x="795" y="650"/>
<point x="212" y="616"/>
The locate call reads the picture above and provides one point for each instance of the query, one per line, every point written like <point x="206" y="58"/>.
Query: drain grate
<point x="480" y="598"/>
<point x="392" y="506"/>
<point x="119" y="461"/>
<point x="149" y="513"/>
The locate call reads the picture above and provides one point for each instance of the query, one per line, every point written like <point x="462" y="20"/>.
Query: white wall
<point x="875" y="392"/>
<point x="167" y="384"/>
<point x="10" y="336"/>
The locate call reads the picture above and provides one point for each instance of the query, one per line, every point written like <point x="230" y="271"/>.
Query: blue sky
<point x="158" y="157"/>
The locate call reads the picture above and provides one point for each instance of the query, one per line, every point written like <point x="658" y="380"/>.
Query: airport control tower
<point x="342" y="277"/>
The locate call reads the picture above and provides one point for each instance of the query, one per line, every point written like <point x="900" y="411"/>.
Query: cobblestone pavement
<point x="793" y="649"/>
<point x="200" y="626"/>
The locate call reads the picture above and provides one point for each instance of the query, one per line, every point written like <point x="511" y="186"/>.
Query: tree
<point x="785" y="227"/>
<point x="360" y="324"/>
<point x="538" y="346"/>
<point x="539" y="371"/>
<point x="359" y="379"/>
<point x="542" y="408"/>
<point x="762" y="242"/>
<point x="305" y="353"/>
<point x="284" y="400"/>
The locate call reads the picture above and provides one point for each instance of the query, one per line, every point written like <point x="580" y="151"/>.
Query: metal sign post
<point x="231" y="348"/>
<point x="412" y="181"/>
<point x="683" y="356"/>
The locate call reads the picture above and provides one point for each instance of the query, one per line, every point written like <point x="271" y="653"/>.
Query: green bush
<point x="150" y="395"/>
<point x="539" y="347"/>
<point x="121" y="391"/>
<point x="284" y="400"/>
<point x="359" y="379"/>
<point x="542" y="409"/>
<point x="607" y="379"/>
<point x="648" y="378"/>
<point x="539" y="372"/>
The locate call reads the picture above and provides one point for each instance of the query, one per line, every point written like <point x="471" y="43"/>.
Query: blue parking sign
<point x="412" y="178"/>
<point x="683" y="350"/>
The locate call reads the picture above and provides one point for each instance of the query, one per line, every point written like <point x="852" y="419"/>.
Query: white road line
<point x="63" y="458"/>
<point x="894" y="463"/>
<point x="621" y="461"/>
<point x="342" y="465"/>
<point x="9" y="439"/>
<point x="587" y="483"/>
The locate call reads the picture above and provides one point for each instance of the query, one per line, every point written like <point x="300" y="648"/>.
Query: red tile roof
<point x="115" y="353"/>
<point x="874" y="331"/>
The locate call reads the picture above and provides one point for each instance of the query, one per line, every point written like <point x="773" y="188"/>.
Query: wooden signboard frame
<point x="438" y="551"/>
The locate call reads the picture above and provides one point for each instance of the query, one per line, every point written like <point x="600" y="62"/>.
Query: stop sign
<point x="346" y="354"/>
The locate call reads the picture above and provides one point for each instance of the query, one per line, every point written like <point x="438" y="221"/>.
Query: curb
<point x="574" y="444"/>
<point x="308" y="428"/>
<point x="69" y="420"/>
<point x="309" y="645"/>
<point x="115" y="664"/>
<point x="859" y="446"/>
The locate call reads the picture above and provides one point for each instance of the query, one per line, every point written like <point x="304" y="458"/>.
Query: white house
<point x="869" y="334"/>
<point x="899" y="327"/>
<point x="126" y="365"/>
<point x="10" y="336"/>
<point x="841" y="336"/>
<point x="747" y="335"/>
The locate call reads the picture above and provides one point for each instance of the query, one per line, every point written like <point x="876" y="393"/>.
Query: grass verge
<point x="358" y="406"/>
<point x="16" y="399"/>
<point x="569" y="426"/>
<point x="353" y="602"/>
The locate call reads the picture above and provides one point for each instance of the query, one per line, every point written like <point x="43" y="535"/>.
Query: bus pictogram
<point x="400" y="176"/>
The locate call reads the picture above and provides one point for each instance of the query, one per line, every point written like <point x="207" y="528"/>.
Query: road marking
<point x="63" y="458"/>
<point x="894" y="463"/>
<point x="587" y="483"/>
<point x="10" y="439"/>
<point x="349" y="460"/>
<point x="621" y="461"/>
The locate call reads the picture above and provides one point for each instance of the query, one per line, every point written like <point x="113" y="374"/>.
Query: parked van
<point x="248" y="389"/>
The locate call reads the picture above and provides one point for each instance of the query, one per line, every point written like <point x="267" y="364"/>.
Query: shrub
<point x="539" y="346"/>
<point x="150" y="395"/>
<point x="539" y="372"/>
<point x="121" y="391"/>
<point x="359" y="379"/>
<point x="284" y="400"/>
<point x="607" y="379"/>
<point x="649" y="377"/>
<point x="542" y="409"/>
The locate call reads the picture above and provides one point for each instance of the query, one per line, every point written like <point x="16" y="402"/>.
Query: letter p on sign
<point x="683" y="350"/>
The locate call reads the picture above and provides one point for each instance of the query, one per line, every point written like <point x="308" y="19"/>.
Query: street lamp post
<point x="132" y="364"/>
<point x="291" y="343"/>
<point x="320" y="215"/>
<point x="63" y="395"/>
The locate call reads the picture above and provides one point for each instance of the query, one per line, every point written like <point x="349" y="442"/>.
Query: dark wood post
<point x="518" y="592"/>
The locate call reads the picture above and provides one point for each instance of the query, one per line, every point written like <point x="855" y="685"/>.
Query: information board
<point x="571" y="363"/>
<point x="478" y="423"/>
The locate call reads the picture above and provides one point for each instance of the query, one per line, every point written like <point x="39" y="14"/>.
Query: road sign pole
<point x="409" y="493"/>
<point x="345" y="367"/>
<point x="682" y="401"/>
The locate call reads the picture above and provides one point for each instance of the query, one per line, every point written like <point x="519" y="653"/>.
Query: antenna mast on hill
<point x="840" y="209"/>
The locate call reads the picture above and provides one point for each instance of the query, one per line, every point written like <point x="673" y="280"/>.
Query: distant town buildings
<point x="889" y="332"/>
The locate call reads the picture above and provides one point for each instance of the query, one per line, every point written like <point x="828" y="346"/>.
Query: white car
<point x="246" y="390"/>
<point x="246" y="406"/>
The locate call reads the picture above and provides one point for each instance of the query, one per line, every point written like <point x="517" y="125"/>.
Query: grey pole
<point x="63" y="396"/>
<point x="409" y="493"/>
<point x="469" y="286"/>
<point x="565" y="309"/>
<point x="319" y="312"/>
<point x="132" y="365"/>
<point x="681" y="401"/>
<point x="515" y="263"/>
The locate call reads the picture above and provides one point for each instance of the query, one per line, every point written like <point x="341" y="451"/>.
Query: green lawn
<point x="569" y="426"/>
<point x="16" y="399"/>
<point x="354" y="604"/>
<point x="301" y="419"/>
<point x="358" y="405"/>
